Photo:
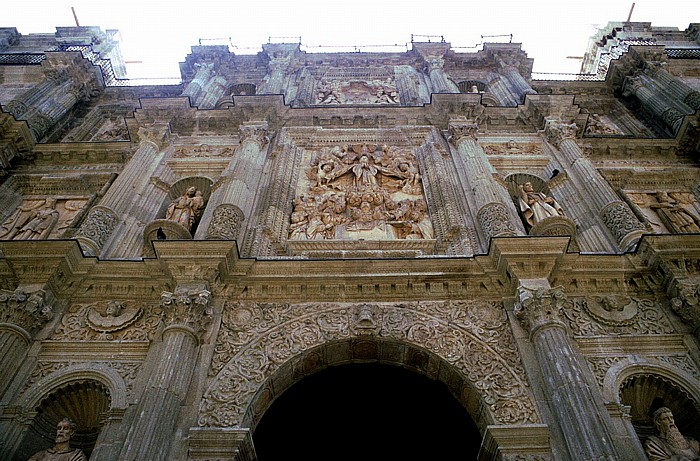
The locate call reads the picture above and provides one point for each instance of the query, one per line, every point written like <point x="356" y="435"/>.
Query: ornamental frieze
<point x="110" y="320"/>
<point x="255" y="340"/>
<point x="358" y="192"/>
<point x="616" y="315"/>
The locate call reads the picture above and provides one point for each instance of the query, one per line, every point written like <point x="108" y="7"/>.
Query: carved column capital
<point x="256" y="133"/>
<point x="29" y="311"/>
<point x="460" y="130"/>
<point x="687" y="304"/>
<point x="540" y="307"/>
<point x="187" y="309"/>
<point x="159" y="135"/>
<point x="557" y="131"/>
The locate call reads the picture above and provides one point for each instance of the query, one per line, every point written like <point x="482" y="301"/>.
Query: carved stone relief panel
<point x="667" y="212"/>
<point x="616" y="315"/>
<point x="109" y="320"/>
<point x="357" y="86"/>
<point x="358" y="192"/>
<point x="41" y="218"/>
<point x="474" y="338"/>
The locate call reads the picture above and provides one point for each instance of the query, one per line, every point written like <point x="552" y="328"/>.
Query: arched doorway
<point x="368" y="411"/>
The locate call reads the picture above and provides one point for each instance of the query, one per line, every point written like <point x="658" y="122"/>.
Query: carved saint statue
<point x="185" y="209"/>
<point x="670" y="444"/>
<point x="674" y="215"/>
<point x="62" y="450"/>
<point x="33" y="223"/>
<point x="537" y="206"/>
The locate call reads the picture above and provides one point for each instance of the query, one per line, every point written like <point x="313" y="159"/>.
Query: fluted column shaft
<point x="518" y="84"/>
<point x="194" y="88"/>
<point x="654" y="102"/>
<point x="149" y="436"/>
<point x="496" y="214"/>
<point x="584" y="421"/>
<point x="680" y="90"/>
<point x="439" y="80"/>
<point x="615" y="213"/>
<point x="21" y="314"/>
<point x="232" y="202"/>
<point x="127" y="193"/>
<point x="213" y="91"/>
<point x="275" y="81"/>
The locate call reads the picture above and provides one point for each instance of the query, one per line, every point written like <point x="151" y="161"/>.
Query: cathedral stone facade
<point x="174" y="258"/>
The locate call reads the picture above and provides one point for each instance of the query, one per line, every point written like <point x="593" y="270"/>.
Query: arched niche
<point x="84" y="393"/>
<point x="264" y="348"/>
<point x="242" y="89"/>
<point x="468" y="86"/>
<point x="201" y="184"/>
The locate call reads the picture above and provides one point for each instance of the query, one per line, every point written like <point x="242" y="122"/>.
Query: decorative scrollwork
<point x="98" y="225"/>
<point x="495" y="220"/>
<point x="225" y="223"/>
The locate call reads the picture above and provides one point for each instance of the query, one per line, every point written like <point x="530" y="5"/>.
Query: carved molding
<point x="29" y="311"/>
<point x="256" y="340"/>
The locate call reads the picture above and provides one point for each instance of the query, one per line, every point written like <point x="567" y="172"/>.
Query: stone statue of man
<point x="62" y="450"/>
<point x="670" y="444"/>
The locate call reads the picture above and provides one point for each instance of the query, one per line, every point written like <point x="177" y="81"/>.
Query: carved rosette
<point x="97" y="227"/>
<point x="687" y="305"/>
<point x="622" y="223"/>
<point x="187" y="309"/>
<point x="28" y="311"/>
<point x="540" y="307"/>
<point x="254" y="133"/>
<point x="256" y="340"/>
<point x="225" y="223"/>
<point x="558" y="132"/>
<point x="459" y="131"/>
<point x="495" y="220"/>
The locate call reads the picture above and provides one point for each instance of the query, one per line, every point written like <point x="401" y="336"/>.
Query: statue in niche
<point x="674" y="212"/>
<point x="34" y="222"/>
<point x="362" y="191"/>
<point x="537" y="206"/>
<point x="187" y="208"/>
<point x="62" y="450"/>
<point x="670" y="444"/>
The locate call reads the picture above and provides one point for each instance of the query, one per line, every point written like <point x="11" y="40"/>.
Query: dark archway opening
<point x="368" y="412"/>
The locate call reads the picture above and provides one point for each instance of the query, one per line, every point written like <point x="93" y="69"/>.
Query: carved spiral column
<point x="21" y="315"/>
<point x="518" y="84"/>
<point x="439" y="80"/>
<point x="583" y="418"/>
<point x="232" y="202"/>
<point x="186" y="315"/>
<point x="492" y="199"/>
<point x="615" y="213"/>
<point x="654" y="103"/>
<point x="128" y="195"/>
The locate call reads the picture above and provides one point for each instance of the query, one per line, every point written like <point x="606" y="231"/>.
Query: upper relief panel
<point x="357" y="86"/>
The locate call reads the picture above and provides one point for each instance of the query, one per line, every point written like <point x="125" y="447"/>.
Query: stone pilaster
<point x="576" y="404"/>
<point x="614" y="213"/>
<point x="231" y="203"/>
<point x="122" y="206"/>
<point x="496" y="213"/>
<point x="22" y="314"/>
<point x="186" y="315"/>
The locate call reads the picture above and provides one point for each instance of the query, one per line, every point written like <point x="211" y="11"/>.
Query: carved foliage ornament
<point x="540" y="307"/>
<point x="255" y="340"/>
<point x="186" y="308"/>
<point x="110" y="320"/>
<point x="462" y="130"/>
<point x="25" y="310"/>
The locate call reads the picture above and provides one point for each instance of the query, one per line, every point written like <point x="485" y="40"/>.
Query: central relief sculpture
<point x="361" y="192"/>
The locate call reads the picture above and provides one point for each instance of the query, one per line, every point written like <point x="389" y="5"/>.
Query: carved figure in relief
<point x="62" y="450"/>
<point x="670" y="444"/>
<point x="39" y="223"/>
<point x="186" y="209"/>
<point x="537" y="206"/>
<point x="675" y="215"/>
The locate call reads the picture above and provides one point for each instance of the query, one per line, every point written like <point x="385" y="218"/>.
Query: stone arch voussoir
<point x="263" y="349"/>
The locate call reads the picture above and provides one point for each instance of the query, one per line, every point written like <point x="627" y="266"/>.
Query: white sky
<point x="160" y="33"/>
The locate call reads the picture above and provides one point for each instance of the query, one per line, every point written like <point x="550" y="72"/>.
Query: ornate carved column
<point x="675" y="87"/>
<point x="615" y="213"/>
<point x="126" y="198"/>
<point x="496" y="213"/>
<point x="233" y="200"/>
<point x="654" y="102"/>
<point x="22" y="315"/>
<point x="583" y="418"/>
<point x="518" y="84"/>
<point x="186" y="315"/>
